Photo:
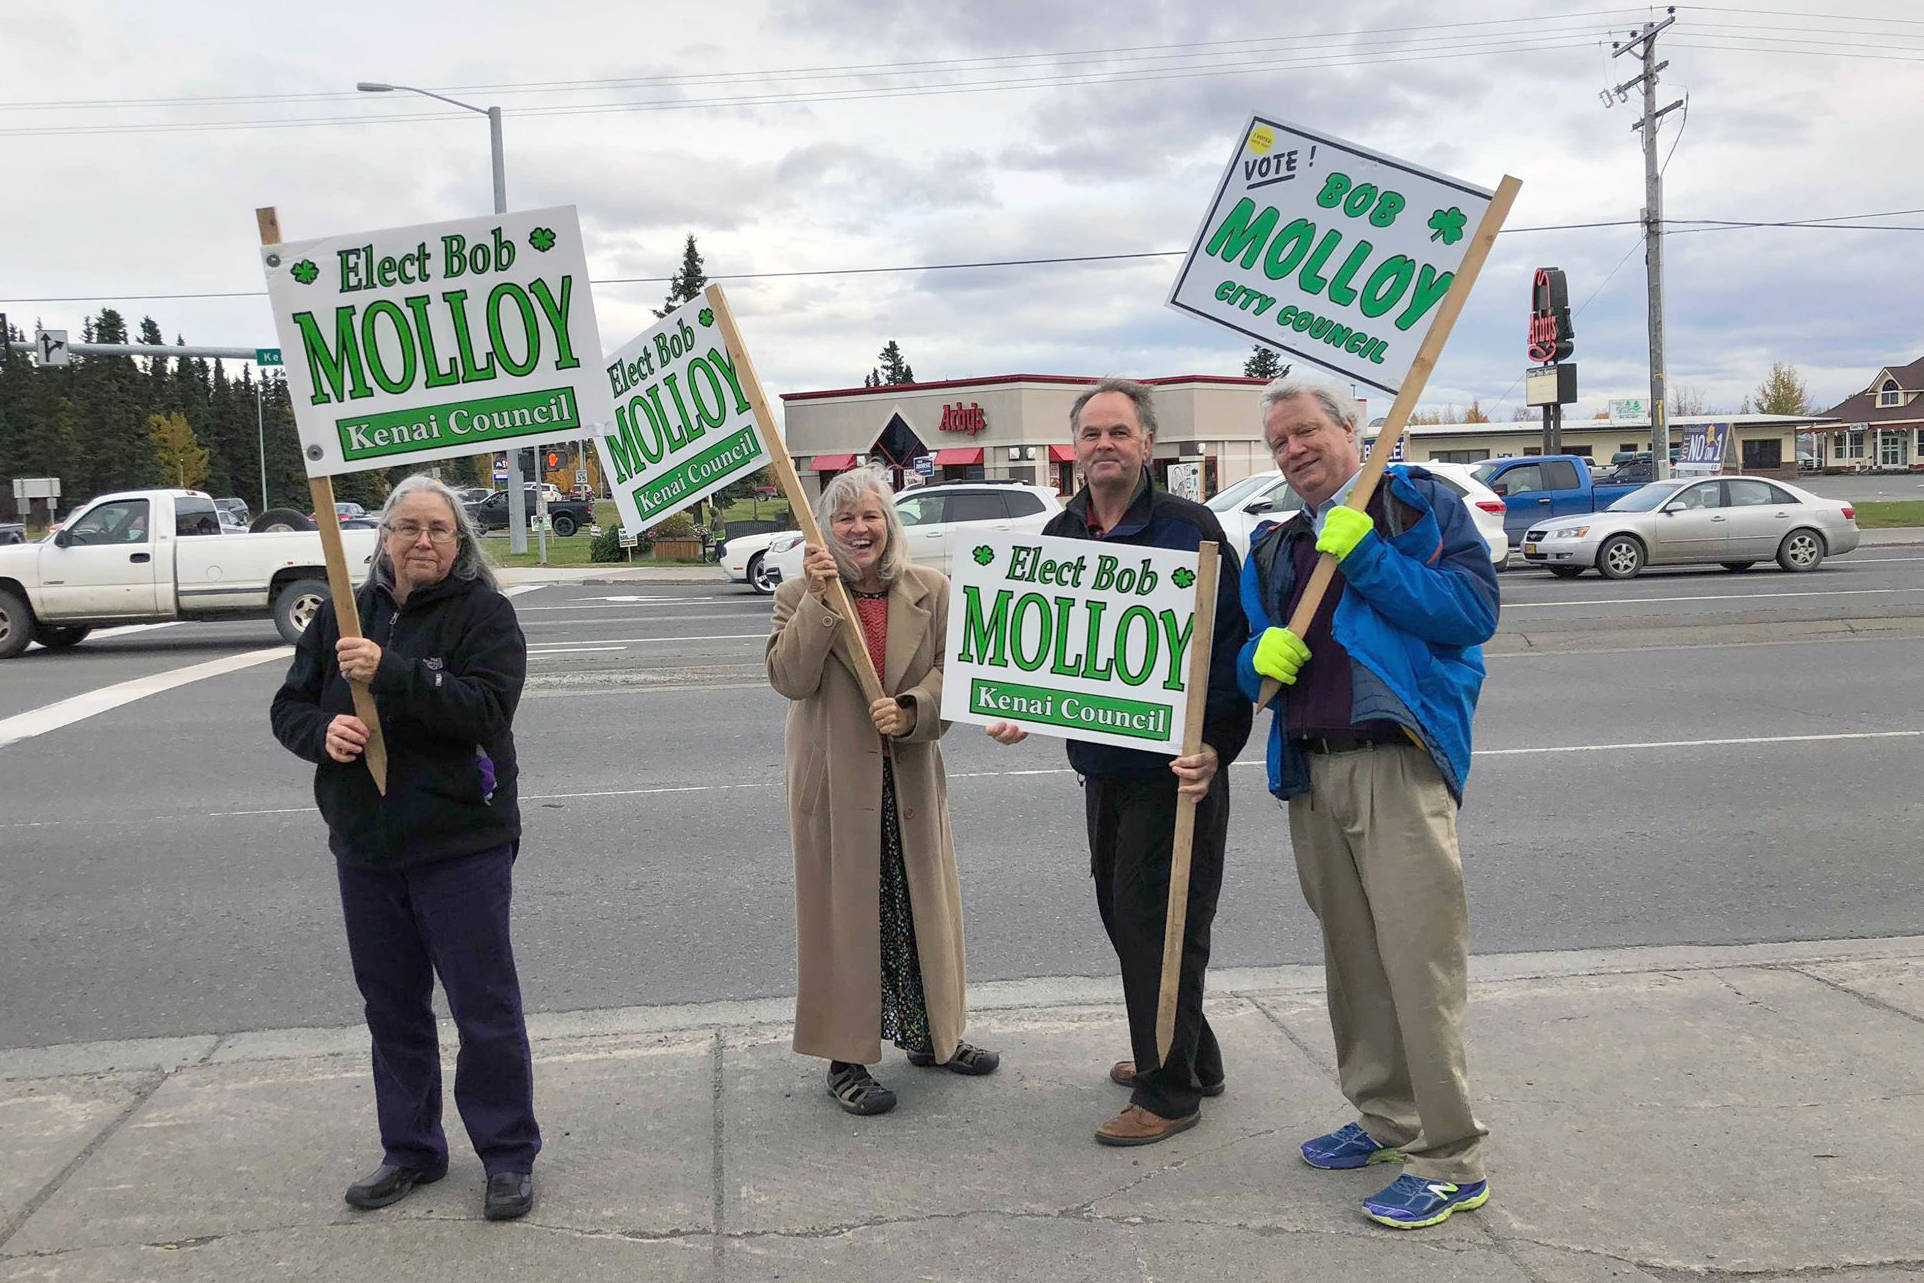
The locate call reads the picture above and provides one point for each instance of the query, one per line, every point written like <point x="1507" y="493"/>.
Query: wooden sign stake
<point x="778" y="458"/>
<point x="1201" y="642"/>
<point x="1406" y="397"/>
<point x="339" y="586"/>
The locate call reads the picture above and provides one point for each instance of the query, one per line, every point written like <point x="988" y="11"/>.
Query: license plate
<point x="1529" y="550"/>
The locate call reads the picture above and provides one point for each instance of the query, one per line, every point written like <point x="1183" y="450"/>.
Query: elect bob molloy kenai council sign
<point x="438" y="341"/>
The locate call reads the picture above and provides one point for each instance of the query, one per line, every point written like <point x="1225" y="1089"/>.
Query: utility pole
<point x="1644" y="45"/>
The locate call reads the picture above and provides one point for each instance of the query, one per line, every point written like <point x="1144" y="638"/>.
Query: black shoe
<point x="973" y="1061"/>
<point x="510" y="1194"/>
<point x="1123" y="1074"/>
<point x="389" y="1184"/>
<point x="856" y="1091"/>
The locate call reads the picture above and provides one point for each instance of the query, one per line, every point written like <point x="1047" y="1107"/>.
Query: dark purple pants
<point x="446" y="918"/>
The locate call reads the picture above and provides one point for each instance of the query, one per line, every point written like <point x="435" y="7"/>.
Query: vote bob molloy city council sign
<point x="1327" y="250"/>
<point x="683" y="426"/>
<point x="1070" y="638"/>
<point x="437" y="341"/>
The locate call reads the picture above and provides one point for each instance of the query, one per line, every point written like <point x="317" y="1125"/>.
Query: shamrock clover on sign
<point x="1446" y="225"/>
<point x="542" y="238"/>
<point x="305" y="272"/>
<point x="1182" y="576"/>
<point x="706" y="316"/>
<point x="984" y="554"/>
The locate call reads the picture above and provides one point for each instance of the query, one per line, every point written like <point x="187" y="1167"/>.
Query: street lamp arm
<point x="371" y="87"/>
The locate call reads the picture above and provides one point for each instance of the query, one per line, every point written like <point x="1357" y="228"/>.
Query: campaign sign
<point x="1071" y="638"/>
<point x="438" y="341"/>
<point x="1328" y="250"/>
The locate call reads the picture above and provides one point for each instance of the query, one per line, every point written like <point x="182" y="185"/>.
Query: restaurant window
<point x="1855" y="450"/>
<point x="1768" y="453"/>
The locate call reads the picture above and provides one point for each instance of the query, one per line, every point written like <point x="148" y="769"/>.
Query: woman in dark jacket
<point x="425" y="871"/>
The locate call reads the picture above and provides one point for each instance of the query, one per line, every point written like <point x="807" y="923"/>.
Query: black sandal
<point x="856" y="1091"/>
<point x="972" y="1061"/>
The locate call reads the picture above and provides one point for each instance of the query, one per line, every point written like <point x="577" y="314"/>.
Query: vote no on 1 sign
<point x="412" y="344"/>
<point x="1070" y="638"/>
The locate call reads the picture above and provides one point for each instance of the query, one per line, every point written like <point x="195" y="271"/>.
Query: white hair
<point x="469" y="561"/>
<point x="843" y="492"/>
<point x="1337" y="401"/>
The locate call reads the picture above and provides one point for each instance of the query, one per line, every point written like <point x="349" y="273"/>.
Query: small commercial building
<point x="1014" y="427"/>
<point x="1880" y="429"/>
<point x="1762" y="445"/>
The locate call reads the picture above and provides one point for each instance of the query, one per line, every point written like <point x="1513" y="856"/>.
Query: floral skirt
<point x="905" y="1010"/>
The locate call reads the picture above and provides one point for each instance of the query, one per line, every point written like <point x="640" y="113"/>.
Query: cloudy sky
<point x="819" y="136"/>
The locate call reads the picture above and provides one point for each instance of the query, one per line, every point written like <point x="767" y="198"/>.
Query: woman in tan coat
<point x="878" y="910"/>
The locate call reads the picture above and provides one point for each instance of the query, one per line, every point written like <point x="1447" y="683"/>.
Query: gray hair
<point x="469" y="561"/>
<point x="1138" y="393"/>
<point x="1337" y="401"/>
<point x="843" y="492"/>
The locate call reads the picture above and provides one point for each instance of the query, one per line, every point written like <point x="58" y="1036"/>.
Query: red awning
<point x="832" y="462"/>
<point x="959" y="455"/>
<point x="1062" y="454"/>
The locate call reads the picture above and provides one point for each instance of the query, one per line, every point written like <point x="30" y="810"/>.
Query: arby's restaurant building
<point x="1014" y="427"/>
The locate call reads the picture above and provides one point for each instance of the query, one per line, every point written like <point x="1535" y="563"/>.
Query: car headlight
<point x="784" y="543"/>
<point x="1570" y="532"/>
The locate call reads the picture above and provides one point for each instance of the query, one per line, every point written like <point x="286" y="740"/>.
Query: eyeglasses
<point x="408" y="532"/>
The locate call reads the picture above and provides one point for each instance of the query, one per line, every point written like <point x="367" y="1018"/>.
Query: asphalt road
<point x="164" y="871"/>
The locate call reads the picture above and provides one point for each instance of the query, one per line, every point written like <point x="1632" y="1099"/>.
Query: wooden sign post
<point x="1407" y="395"/>
<point x="839" y="600"/>
<point x="339" y="586"/>
<point x="1202" y="639"/>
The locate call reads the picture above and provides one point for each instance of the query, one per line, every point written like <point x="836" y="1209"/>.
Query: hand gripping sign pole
<point x="339" y="586"/>
<point x="1202" y="638"/>
<point x="778" y="459"/>
<point x="1406" y="398"/>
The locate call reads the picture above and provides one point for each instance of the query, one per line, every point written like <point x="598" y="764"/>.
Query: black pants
<point x="405" y="926"/>
<point x="1132" y="822"/>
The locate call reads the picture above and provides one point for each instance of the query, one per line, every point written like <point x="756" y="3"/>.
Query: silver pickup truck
<point x="150" y="556"/>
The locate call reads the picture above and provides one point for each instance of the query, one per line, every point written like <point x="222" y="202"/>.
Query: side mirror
<point x="1258" y="505"/>
<point x="1499" y="489"/>
<point x="63" y="539"/>
<point x="1673" y="507"/>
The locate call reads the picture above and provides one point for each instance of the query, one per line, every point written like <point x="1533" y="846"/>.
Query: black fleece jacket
<point x="452" y="665"/>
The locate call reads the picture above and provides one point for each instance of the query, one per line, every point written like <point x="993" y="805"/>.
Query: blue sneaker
<point x="1410" y="1202"/>
<point x="1346" y="1147"/>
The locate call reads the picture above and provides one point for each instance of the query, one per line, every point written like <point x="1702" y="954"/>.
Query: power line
<point x="1830" y="223"/>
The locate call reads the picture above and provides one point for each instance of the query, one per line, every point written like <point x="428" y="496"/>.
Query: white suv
<point x="1265" y="496"/>
<point x="936" y="519"/>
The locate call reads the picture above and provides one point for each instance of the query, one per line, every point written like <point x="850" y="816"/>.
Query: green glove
<point x="1343" y="529"/>
<point x="1280" y="654"/>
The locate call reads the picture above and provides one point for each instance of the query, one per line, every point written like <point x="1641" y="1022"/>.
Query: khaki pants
<point x="1375" y="845"/>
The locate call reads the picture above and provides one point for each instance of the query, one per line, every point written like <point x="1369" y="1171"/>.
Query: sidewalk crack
<point x="1329" y="1070"/>
<point x="1867" y="999"/>
<point x="13" y="1224"/>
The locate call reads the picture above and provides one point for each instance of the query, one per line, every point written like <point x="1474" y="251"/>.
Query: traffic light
<point x="554" y="460"/>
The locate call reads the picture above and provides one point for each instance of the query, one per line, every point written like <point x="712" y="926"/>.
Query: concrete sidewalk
<point x="1743" y="1112"/>
<point x="615" y="572"/>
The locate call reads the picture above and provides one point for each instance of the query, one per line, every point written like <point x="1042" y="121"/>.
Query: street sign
<point x="1550" y="385"/>
<point x="925" y="464"/>
<point x="439" y="341"/>
<point x="1329" y="251"/>
<point x="267" y="356"/>
<point x="51" y="346"/>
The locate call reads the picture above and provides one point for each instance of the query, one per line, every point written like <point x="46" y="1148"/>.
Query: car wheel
<point x="762" y="577"/>
<point x="60" y="638"/>
<point x="1801" y="550"/>
<point x="1621" y="557"/>
<point x="564" y="525"/>
<point x="16" y="625"/>
<point x="1566" y="572"/>
<point x="300" y="600"/>
<point x="1737" y="567"/>
<point x="281" y="519"/>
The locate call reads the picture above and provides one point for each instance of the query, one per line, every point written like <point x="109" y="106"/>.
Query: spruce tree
<point x="687" y="281"/>
<point x="1264" y="363"/>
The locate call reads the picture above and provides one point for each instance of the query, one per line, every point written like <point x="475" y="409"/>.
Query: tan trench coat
<point x="835" y="823"/>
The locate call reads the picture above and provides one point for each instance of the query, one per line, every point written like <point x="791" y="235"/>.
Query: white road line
<point x="522" y="590"/>
<point x="568" y="650"/>
<point x="104" y="634"/>
<point x="1716" y="596"/>
<point x="68" y="711"/>
<point x="535" y="647"/>
<point x="553" y="625"/>
<point x="1717" y="743"/>
<point x="620" y="603"/>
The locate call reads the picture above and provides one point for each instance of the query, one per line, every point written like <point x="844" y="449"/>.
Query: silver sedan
<point x="1734" y="522"/>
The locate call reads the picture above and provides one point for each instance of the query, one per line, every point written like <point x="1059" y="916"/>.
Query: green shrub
<point x="680" y="525"/>
<point x="607" y="545"/>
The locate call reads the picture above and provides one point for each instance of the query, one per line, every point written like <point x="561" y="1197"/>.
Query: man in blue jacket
<point x="1370" y="747"/>
<point x="1129" y="797"/>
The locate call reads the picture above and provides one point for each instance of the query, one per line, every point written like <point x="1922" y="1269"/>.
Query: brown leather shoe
<point x="1138" y="1126"/>
<point x="1123" y="1074"/>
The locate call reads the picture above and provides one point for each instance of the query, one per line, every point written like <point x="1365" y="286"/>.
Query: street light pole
<point x="517" y="515"/>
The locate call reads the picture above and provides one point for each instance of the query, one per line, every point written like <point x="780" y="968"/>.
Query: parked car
<point x="1537" y="487"/>
<point x="566" y="515"/>
<point x="745" y="559"/>
<point x="343" y="511"/>
<point x="1734" y="522"/>
<point x="471" y="494"/>
<point x="237" y="509"/>
<point x="1265" y="496"/>
<point x="144" y="556"/>
<point x="938" y="519"/>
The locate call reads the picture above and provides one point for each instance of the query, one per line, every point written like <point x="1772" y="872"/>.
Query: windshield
<point x="1647" y="499"/>
<point x="1230" y="499"/>
<point x="1482" y="473"/>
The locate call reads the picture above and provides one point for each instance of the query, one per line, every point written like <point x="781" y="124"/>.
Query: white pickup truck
<point x="148" y="556"/>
